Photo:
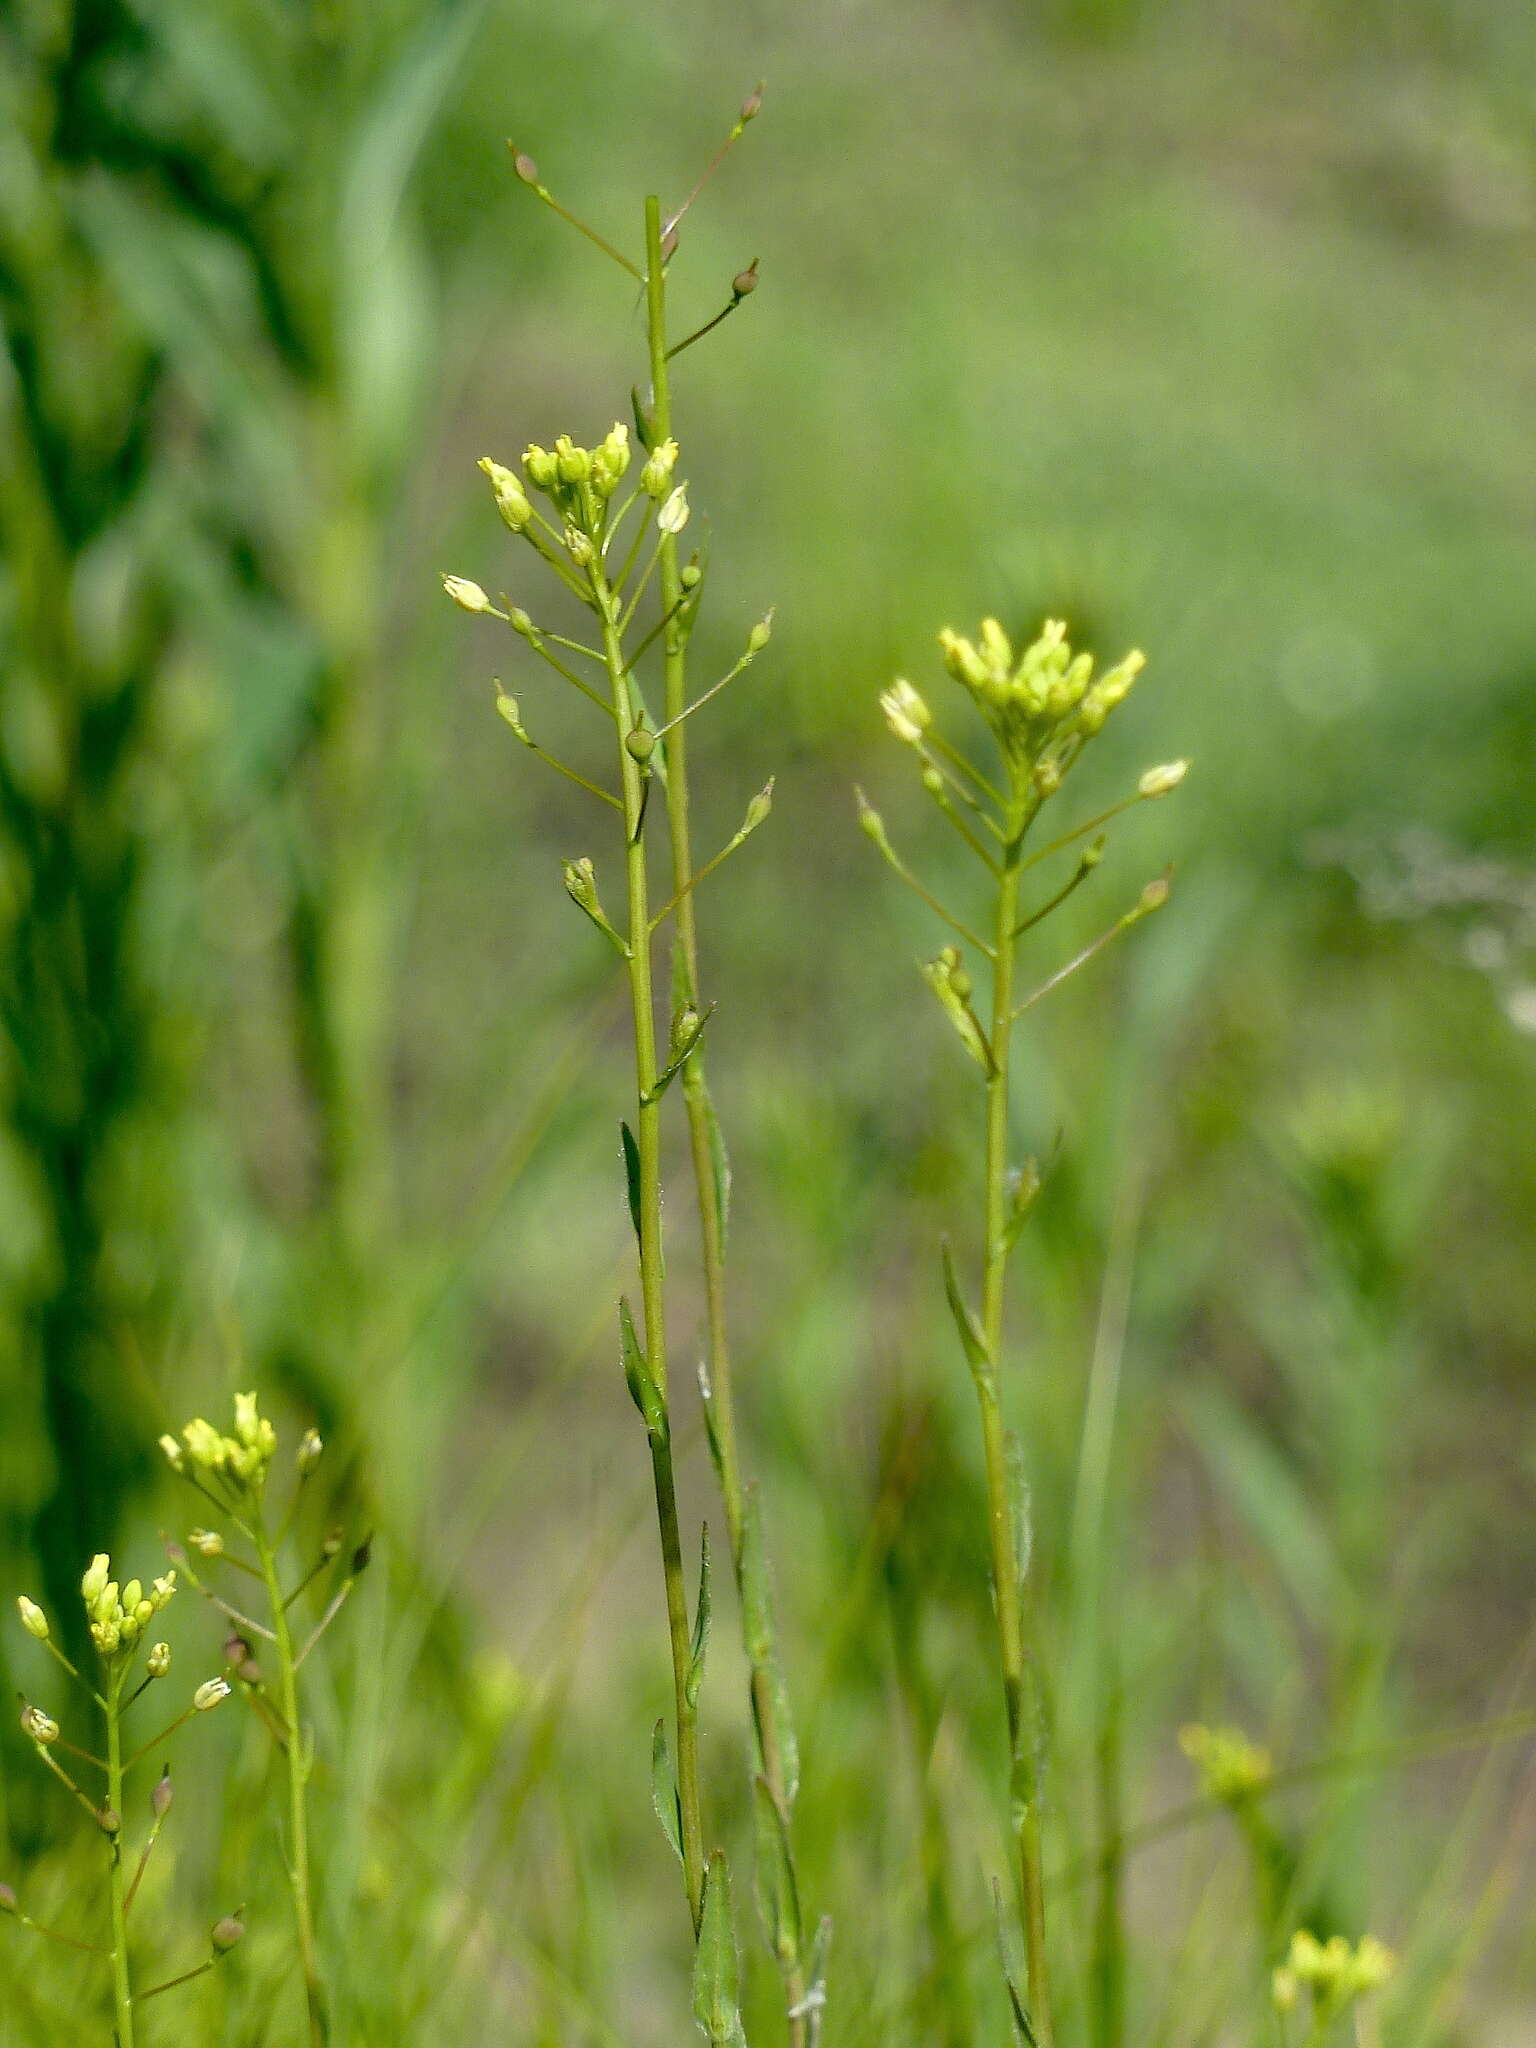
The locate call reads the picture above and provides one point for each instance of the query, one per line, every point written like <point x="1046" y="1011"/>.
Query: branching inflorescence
<point x="230" y="1473"/>
<point x="1041" y="706"/>
<point x="613" y="544"/>
<point x="119" y="1617"/>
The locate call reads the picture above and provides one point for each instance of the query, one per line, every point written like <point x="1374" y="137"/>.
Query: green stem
<point x="122" y="1986"/>
<point x="648" y="1146"/>
<point x="1018" y="1674"/>
<point x="696" y="1096"/>
<point x="298" y="1786"/>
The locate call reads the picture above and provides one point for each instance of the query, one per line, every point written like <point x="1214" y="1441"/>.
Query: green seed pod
<point x="640" y="744"/>
<point x="227" y="1934"/>
<point x="160" y="1799"/>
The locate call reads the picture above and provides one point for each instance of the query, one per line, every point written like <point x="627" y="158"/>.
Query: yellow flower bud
<point x="673" y="516"/>
<point x="210" y="1694"/>
<point x="511" y="499"/>
<point x="1158" y="781"/>
<point x="33" y="1619"/>
<point x="469" y="597"/>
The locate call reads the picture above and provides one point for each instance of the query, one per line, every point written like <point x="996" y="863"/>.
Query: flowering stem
<point x="1017" y="1669"/>
<point x="122" y="1987"/>
<point x="703" y="1139"/>
<point x="648" y="1206"/>
<point x="298" y="1784"/>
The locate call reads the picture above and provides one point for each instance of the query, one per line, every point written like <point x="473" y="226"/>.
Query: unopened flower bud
<point x="33" y="1619"/>
<point x="520" y="622"/>
<point x="206" y="1542"/>
<point x="175" y="1456"/>
<point x="524" y="167"/>
<point x="160" y="1799"/>
<point x="758" y="809"/>
<point x="905" y="712"/>
<point x="540" y="467"/>
<point x="38" y="1726"/>
<point x="933" y="781"/>
<point x="469" y="597"/>
<point x="158" y="1662"/>
<point x="511" y="499"/>
<point x="1158" y="781"/>
<point x="573" y="465"/>
<point x="210" y="1694"/>
<point x="1154" y="896"/>
<point x="673" y="516"/>
<point x="657" y="473"/>
<point x="760" y="635"/>
<point x="752" y="105"/>
<point x="311" y="1450"/>
<point x="578" y="546"/>
<point x="227" y="1933"/>
<point x="97" y="1574"/>
<point x="133" y="1593"/>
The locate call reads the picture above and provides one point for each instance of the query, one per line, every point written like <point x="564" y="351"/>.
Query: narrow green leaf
<point x="972" y="1340"/>
<point x="761" y="1638"/>
<point x="1020" y="1504"/>
<point x="719" y="1160"/>
<point x="815" y="2001"/>
<point x="778" y="1898"/>
<point x="700" y="1648"/>
<point x="1023" y="2028"/>
<point x="716" y="1968"/>
<point x="669" y="1808"/>
<point x="639" y="1378"/>
<point x="632" y="1175"/>
<point x="711" y="1419"/>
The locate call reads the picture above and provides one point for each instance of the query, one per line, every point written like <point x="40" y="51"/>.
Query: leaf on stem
<point x="972" y="1340"/>
<point x="664" y="1796"/>
<point x="684" y="1041"/>
<point x="699" y="1649"/>
<point x="761" y="1637"/>
<point x="1023" y="2027"/>
<point x="631" y="1174"/>
<point x="639" y="1378"/>
<point x="716" y="1966"/>
<point x="778" y="1897"/>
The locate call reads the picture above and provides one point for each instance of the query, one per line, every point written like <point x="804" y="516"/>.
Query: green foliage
<point x="1164" y="331"/>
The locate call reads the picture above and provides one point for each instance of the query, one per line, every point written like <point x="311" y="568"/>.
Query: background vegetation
<point x="1205" y="326"/>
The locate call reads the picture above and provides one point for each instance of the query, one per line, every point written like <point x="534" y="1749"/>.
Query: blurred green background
<point x="1207" y="327"/>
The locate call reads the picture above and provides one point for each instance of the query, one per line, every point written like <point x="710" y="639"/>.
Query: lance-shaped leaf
<point x="720" y="1163"/>
<point x="647" y="1396"/>
<point x="814" y="2004"/>
<point x="699" y="1649"/>
<point x="1022" y="1197"/>
<point x="631" y="1174"/>
<point x="972" y="1340"/>
<point x="778" y="1898"/>
<point x="770" y="1700"/>
<point x="1023" y="2027"/>
<point x="1020" y="1506"/>
<point x="664" y="1795"/>
<point x="716" y="1966"/>
<point x="952" y="985"/>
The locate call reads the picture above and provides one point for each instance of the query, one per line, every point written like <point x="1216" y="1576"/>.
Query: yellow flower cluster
<point x="1044" y="692"/>
<point x="117" y="1615"/>
<point x="1334" y="1971"/>
<point x="1231" y="1767"/>
<point x="242" y="1459"/>
<point x="558" y="470"/>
